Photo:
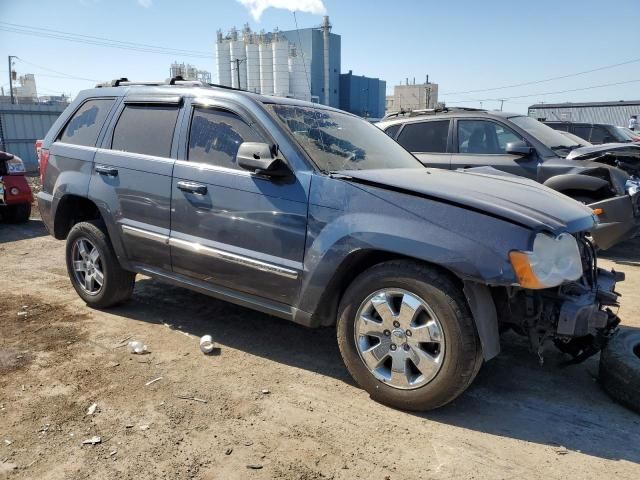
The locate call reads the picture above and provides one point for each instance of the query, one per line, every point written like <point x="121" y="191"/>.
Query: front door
<point x="230" y="227"/>
<point x="483" y="143"/>
<point x="132" y="177"/>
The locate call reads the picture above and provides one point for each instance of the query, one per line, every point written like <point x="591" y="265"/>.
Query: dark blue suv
<point x="314" y="215"/>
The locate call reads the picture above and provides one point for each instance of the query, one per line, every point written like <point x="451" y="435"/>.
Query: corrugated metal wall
<point x="22" y="125"/>
<point x="614" y="115"/>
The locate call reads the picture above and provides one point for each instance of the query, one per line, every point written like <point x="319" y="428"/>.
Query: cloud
<point x="257" y="7"/>
<point x="145" y="3"/>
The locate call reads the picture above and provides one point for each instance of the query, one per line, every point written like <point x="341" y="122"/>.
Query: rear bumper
<point x="8" y="186"/>
<point x="45" y="201"/>
<point x="619" y="220"/>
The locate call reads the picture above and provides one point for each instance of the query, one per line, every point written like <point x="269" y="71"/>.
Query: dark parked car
<point x="594" y="133"/>
<point x="463" y="138"/>
<point x="316" y="216"/>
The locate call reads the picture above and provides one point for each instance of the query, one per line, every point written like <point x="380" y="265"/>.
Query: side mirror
<point x="260" y="158"/>
<point x="518" y="148"/>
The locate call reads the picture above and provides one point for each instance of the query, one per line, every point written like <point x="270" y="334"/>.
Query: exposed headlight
<point x="15" y="165"/>
<point x="553" y="261"/>
<point x="632" y="186"/>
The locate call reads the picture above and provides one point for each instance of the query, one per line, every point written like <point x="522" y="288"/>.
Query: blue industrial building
<point x="363" y="96"/>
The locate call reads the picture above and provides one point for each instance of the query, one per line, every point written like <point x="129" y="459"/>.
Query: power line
<point x="535" y="82"/>
<point x="545" y="93"/>
<point x="88" y="40"/>
<point x="62" y="74"/>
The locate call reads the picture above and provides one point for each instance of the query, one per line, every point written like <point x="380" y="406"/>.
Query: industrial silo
<point x="253" y="66"/>
<point x="223" y="60"/>
<point x="280" y="66"/>
<point x="266" y="67"/>
<point x="238" y="61"/>
<point x="299" y="70"/>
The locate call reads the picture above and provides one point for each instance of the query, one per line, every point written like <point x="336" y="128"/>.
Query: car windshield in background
<point x="545" y="134"/>
<point x="336" y="141"/>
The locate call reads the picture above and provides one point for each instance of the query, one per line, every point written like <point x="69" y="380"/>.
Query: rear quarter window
<point x="425" y="137"/>
<point x="85" y="124"/>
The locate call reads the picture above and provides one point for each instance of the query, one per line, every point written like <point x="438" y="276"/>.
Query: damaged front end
<point x="578" y="317"/>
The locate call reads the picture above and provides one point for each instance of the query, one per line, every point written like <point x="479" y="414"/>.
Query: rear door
<point x="131" y="178"/>
<point x="482" y="142"/>
<point x="581" y="130"/>
<point x="427" y="140"/>
<point x="230" y="227"/>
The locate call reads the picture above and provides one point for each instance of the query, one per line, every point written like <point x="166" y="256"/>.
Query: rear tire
<point x="17" y="213"/>
<point x="93" y="267"/>
<point x="451" y="336"/>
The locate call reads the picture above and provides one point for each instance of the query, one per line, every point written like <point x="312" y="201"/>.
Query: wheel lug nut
<point x="387" y="333"/>
<point x="408" y="333"/>
<point x="396" y="324"/>
<point x="393" y="347"/>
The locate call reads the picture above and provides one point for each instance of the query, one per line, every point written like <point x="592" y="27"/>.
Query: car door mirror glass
<point x="260" y="158"/>
<point x="518" y="148"/>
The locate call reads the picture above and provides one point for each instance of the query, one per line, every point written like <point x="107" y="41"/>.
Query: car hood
<point x="508" y="197"/>
<point x="595" y="151"/>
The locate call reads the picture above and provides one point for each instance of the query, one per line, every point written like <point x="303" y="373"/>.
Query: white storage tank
<point x="223" y="60"/>
<point x="253" y="67"/>
<point x="280" y="67"/>
<point x="266" y="68"/>
<point x="238" y="61"/>
<point x="298" y="82"/>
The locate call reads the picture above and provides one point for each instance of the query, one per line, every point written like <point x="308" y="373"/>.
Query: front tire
<point x="93" y="267"/>
<point x="407" y="337"/>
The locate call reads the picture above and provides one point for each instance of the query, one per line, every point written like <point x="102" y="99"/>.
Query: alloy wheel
<point x="87" y="266"/>
<point x="399" y="338"/>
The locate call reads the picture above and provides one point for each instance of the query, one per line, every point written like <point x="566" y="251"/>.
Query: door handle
<point x="192" y="187"/>
<point x="108" y="171"/>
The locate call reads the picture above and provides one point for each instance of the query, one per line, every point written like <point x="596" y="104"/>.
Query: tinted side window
<point x="600" y="135"/>
<point x="146" y="129"/>
<point x="427" y="137"/>
<point x="393" y="130"/>
<point x="559" y="126"/>
<point x="216" y="135"/>
<point x="483" y="137"/>
<point x="84" y="127"/>
<point x="583" y="131"/>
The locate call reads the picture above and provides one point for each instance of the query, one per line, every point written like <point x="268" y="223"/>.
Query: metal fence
<point x="22" y="125"/>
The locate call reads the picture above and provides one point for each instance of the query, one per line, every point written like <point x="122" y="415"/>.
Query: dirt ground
<point x="275" y="396"/>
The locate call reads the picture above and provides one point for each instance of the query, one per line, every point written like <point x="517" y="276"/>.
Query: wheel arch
<point x="70" y="210"/>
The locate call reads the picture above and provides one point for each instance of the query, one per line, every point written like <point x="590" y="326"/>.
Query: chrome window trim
<point x="234" y="258"/>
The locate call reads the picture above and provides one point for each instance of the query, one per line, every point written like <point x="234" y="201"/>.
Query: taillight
<point x="43" y="159"/>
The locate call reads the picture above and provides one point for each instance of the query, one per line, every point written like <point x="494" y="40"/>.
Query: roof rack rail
<point x="177" y="80"/>
<point x="429" y="111"/>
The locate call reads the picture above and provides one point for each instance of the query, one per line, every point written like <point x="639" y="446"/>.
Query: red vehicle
<point x="15" y="193"/>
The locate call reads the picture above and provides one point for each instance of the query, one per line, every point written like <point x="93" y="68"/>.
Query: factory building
<point x="412" y="96"/>
<point x="363" y="96"/>
<point x="614" y="113"/>
<point x="303" y="64"/>
<point x="189" y="72"/>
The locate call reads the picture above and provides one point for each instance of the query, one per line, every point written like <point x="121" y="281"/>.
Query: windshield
<point x="545" y="134"/>
<point x="627" y="134"/>
<point x="337" y="141"/>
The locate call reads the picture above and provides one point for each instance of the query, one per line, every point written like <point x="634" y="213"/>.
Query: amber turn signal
<point x="526" y="277"/>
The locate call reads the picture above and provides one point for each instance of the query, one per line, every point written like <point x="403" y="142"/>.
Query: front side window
<point x="146" y="129"/>
<point x="425" y="137"/>
<point x="215" y="137"/>
<point x="338" y="141"/>
<point x="484" y="137"/>
<point x="84" y="127"/>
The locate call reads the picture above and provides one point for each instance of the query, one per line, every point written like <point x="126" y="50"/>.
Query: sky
<point x="462" y="45"/>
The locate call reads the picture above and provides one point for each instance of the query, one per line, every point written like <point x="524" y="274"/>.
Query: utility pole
<point x="11" y="79"/>
<point x="238" y="61"/>
<point x="501" y="103"/>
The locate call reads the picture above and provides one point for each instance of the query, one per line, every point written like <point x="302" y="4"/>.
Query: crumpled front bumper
<point x="587" y="314"/>
<point x="619" y="217"/>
